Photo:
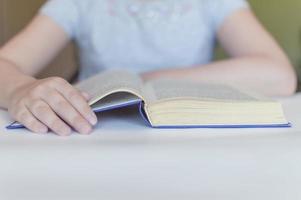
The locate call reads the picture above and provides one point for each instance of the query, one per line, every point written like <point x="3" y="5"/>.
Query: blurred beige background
<point x="282" y="19"/>
<point x="14" y="15"/>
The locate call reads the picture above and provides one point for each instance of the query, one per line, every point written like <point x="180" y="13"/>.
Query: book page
<point x="116" y="100"/>
<point x="171" y="89"/>
<point x="110" y="82"/>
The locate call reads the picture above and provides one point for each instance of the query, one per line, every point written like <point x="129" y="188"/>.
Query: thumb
<point x="86" y="95"/>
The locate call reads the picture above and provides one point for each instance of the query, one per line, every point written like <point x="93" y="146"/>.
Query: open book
<point x="181" y="103"/>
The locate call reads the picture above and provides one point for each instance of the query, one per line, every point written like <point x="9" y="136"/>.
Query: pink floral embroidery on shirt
<point x="111" y="8"/>
<point x="186" y="8"/>
<point x="146" y="10"/>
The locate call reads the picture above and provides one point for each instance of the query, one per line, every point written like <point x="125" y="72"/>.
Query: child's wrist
<point x="19" y="81"/>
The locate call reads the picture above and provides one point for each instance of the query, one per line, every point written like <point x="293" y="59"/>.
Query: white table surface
<point x="124" y="159"/>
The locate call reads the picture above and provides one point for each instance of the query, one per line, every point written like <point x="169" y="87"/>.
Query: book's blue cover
<point x="140" y="103"/>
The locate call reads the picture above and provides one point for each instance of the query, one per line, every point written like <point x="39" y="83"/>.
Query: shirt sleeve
<point x="64" y="12"/>
<point x="219" y="10"/>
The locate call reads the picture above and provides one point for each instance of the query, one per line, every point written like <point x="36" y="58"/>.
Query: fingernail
<point x="66" y="131"/>
<point x="86" y="95"/>
<point x="85" y="130"/>
<point x="93" y="119"/>
<point x="42" y="129"/>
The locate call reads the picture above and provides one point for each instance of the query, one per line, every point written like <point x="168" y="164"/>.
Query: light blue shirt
<point x="141" y="35"/>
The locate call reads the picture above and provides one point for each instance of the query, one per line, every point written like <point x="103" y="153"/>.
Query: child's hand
<point x="53" y="104"/>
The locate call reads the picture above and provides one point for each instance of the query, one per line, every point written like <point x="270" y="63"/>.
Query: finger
<point x="78" y="101"/>
<point x="26" y="118"/>
<point x="42" y="111"/>
<point x="67" y="112"/>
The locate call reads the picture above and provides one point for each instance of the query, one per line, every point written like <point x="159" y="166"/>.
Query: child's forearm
<point x="261" y="74"/>
<point x="10" y="79"/>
